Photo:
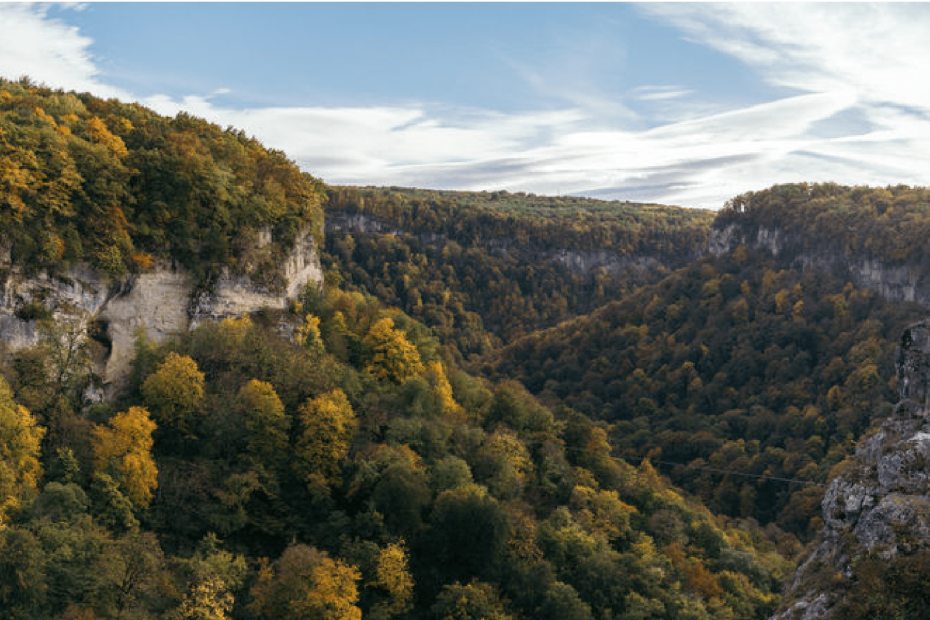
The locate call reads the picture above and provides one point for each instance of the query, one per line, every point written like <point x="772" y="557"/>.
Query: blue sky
<point x="684" y="104"/>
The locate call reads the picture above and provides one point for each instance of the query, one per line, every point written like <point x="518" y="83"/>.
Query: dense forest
<point x="736" y="373"/>
<point x="338" y="470"/>
<point x="332" y="460"/>
<point x="888" y="223"/>
<point x="118" y="187"/>
<point x="483" y="268"/>
<point x="499" y="406"/>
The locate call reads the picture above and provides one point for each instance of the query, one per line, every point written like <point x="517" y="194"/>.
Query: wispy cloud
<point x="48" y="50"/>
<point x="861" y="113"/>
<point x="659" y="93"/>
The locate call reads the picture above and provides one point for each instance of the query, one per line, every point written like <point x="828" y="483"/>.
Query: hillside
<point x="119" y="187"/>
<point x="117" y="219"/>
<point x="871" y="559"/>
<point x="316" y="454"/>
<point x="728" y="365"/>
<point x="484" y="268"/>
<point x="496" y="406"/>
<point x="872" y="237"/>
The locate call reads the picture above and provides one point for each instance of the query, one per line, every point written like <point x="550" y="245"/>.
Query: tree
<point x="123" y="450"/>
<point x="328" y="424"/>
<point x="20" y="438"/>
<point x="212" y="575"/>
<point x="207" y="599"/>
<point x="475" y="601"/>
<point x="391" y="355"/>
<point x="392" y="575"/>
<point x="174" y="392"/>
<point x="470" y="531"/>
<point x="306" y="584"/>
<point x="308" y="335"/>
<point x="264" y="421"/>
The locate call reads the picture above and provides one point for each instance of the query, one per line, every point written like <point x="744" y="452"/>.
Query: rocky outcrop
<point x="878" y="506"/>
<point x="161" y="301"/>
<point x="893" y="281"/>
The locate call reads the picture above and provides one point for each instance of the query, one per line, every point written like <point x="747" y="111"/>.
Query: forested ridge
<point x="888" y="223"/>
<point x="116" y="186"/>
<point x="483" y="268"/>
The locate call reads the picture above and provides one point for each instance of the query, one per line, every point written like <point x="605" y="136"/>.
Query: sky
<point x="687" y="104"/>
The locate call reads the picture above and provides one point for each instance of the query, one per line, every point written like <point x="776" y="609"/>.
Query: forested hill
<point x="874" y="237"/>
<point x="324" y="458"/>
<point x="731" y="364"/>
<point x="484" y="267"/>
<point x="116" y="186"/>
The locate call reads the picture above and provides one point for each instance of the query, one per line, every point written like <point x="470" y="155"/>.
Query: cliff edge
<point x="876" y="511"/>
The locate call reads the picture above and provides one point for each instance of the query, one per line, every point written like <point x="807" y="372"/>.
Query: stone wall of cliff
<point x="895" y="281"/>
<point x="161" y="301"/>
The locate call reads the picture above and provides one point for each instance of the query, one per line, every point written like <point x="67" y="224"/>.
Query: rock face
<point x="575" y="261"/>
<point x="879" y="505"/>
<point x="161" y="301"/>
<point x="894" y="282"/>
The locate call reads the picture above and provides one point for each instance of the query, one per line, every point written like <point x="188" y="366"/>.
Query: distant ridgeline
<point x="116" y="186"/>
<point x="466" y="262"/>
<point x="873" y="237"/>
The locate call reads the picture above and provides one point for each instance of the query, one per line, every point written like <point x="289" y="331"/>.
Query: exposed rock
<point x="894" y="282"/>
<point x="161" y="301"/>
<point x="879" y="505"/>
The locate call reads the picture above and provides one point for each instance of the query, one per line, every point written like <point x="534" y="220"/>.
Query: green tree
<point x="174" y="392"/>
<point x="265" y="423"/>
<point x="475" y="601"/>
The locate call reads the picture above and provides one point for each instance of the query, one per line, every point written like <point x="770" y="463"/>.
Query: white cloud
<point x="659" y="93"/>
<point x="47" y="50"/>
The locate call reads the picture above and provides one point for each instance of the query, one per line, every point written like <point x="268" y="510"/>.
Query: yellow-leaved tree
<point x="328" y="423"/>
<point x="392" y="575"/>
<point x="392" y="356"/>
<point x="123" y="451"/>
<point x="305" y="584"/>
<point x="208" y="599"/>
<point x="174" y="392"/>
<point x="20" y="437"/>
<point x="435" y="375"/>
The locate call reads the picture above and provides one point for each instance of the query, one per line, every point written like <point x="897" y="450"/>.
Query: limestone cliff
<point x="579" y="262"/>
<point x="877" y="508"/>
<point x="162" y="301"/>
<point x="893" y="280"/>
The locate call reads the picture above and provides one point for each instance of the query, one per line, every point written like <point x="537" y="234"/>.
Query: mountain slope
<point x="727" y="365"/>
<point x="873" y="555"/>
<point x="323" y="456"/>
<point x="872" y="237"/>
<point x="482" y="268"/>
